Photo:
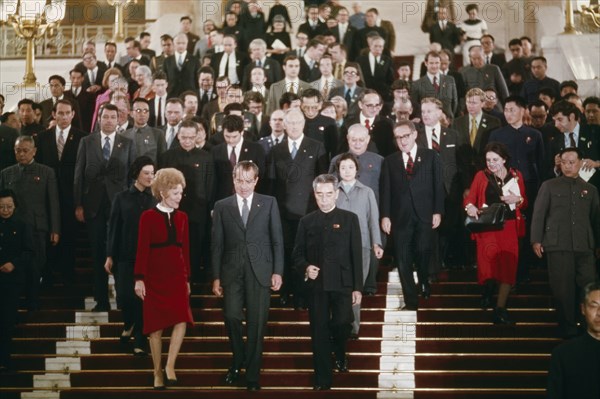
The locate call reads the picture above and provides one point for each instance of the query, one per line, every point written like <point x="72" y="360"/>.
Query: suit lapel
<point x="257" y="204"/>
<point x="97" y="148"/>
<point x="235" y="211"/>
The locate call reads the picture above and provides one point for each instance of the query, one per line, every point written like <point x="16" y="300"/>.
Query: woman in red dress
<point x="162" y="270"/>
<point x="498" y="251"/>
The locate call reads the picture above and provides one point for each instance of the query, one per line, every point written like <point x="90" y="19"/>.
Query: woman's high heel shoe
<point x="159" y="383"/>
<point x="126" y="335"/>
<point x="169" y="381"/>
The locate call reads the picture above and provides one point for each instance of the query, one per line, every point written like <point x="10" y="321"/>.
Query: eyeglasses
<point x="350" y="73"/>
<point x="405" y="137"/>
<point x="141" y="111"/>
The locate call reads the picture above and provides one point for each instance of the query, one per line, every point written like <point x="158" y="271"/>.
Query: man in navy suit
<point x="57" y="148"/>
<point x="247" y="262"/>
<point x="181" y="68"/>
<point x="444" y="32"/>
<point x="101" y="171"/>
<point x="377" y="68"/>
<point x="411" y="206"/>
<point x="230" y="62"/>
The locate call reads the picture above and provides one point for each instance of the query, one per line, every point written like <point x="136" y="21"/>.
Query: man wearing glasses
<point x="148" y="140"/>
<point x="350" y="91"/>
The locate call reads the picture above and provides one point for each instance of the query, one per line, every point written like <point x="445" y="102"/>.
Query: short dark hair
<point x="188" y="93"/>
<point x="246" y="166"/>
<point x="25" y="101"/>
<point x="373" y="9"/>
<point x="233" y="123"/>
<point x="175" y="100"/>
<point x="184" y="18"/>
<point x="490" y="36"/>
<point x="144" y="34"/>
<point x="400" y="85"/>
<point x="188" y="123"/>
<point x="113" y="44"/>
<point x="571" y="149"/>
<point x="592" y="100"/>
<point x="309" y="93"/>
<point x="8" y="193"/>
<point x="472" y="7"/>
<point x="566" y="108"/>
<point x="79" y="71"/>
<point x="207" y="69"/>
<point x="138" y="164"/>
<point x="568" y="83"/>
<point x="137" y="44"/>
<point x="514" y="42"/>
<point x="518" y="100"/>
<point x="62" y="80"/>
<point x="287" y="98"/>
<point x="537" y="103"/>
<point x="159" y="75"/>
<point x="63" y="101"/>
<point x="499" y="148"/>
<point x="547" y="92"/>
<point x="253" y="96"/>
<point x="107" y="107"/>
<point x="527" y="38"/>
<point x="140" y="100"/>
<point x="166" y="37"/>
<point x="233" y="107"/>
<point x="344" y="157"/>
<point x="540" y="58"/>
<point x="290" y="57"/>
<point x="410" y="124"/>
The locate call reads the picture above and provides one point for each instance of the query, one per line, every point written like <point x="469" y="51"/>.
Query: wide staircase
<point x="450" y="351"/>
<point x="461" y="354"/>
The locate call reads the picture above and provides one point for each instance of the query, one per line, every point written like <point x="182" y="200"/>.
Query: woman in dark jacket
<point x="15" y="256"/>
<point x="121" y="247"/>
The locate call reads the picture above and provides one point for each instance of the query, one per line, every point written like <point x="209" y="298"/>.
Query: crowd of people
<point x="242" y="160"/>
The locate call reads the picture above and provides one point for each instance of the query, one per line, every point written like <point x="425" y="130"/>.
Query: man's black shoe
<point x="253" y="386"/>
<point x="321" y="387"/>
<point x="232" y="376"/>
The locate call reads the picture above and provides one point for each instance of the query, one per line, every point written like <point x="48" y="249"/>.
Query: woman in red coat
<point x="498" y="251"/>
<point x="162" y="270"/>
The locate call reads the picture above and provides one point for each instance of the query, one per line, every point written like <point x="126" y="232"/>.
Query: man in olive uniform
<point x="566" y="226"/>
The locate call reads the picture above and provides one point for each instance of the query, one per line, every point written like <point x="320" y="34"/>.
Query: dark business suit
<point x="202" y="103"/>
<point x="566" y="221"/>
<point x="324" y="130"/>
<point x="381" y="80"/>
<point x="319" y="29"/>
<point x="448" y="38"/>
<point x="268" y="144"/>
<point x="241" y="60"/>
<point x="291" y="183"/>
<point x="99" y="76"/>
<point x="8" y="136"/>
<point x="38" y="206"/>
<point x="332" y="242"/>
<point x="198" y="196"/>
<point x="95" y="185"/>
<point x="86" y="103"/>
<point x="182" y="79"/>
<point x="48" y="104"/>
<point x="410" y="203"/>
<point x="63" y="254"/>
<point x="353" y="109"/>
<point x="381" y="132"/>
<point x="347" y="40"/>
<point x="244" y="258"/>
<point x="223" y="170"/>
<point x="307" y="73"/>
<point x="272" y="69"/>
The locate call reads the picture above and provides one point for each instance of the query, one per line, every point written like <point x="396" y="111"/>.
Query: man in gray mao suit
<point x="247" y="262"/>
<point x="38" y="206"/>
<point x="566" y="227"/>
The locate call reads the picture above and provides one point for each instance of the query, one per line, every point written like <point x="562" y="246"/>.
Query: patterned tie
<point x="245" y="211"/>
<point x="294" y="150"/>
<point x="410" y="164"/>
<point x="338" y="71"/>
<point x="259" y="63"/>
<point x="368" y="124"/>
<point x="572" y="140"/>
<point x="106" y="149"/>
<point x="325" y="89"/>
<point x="232" y="158"/>
<point x="435" y="144"/>
<point x="291" y="88"/>
<point x="473" y="133"/>
<point x="170" y="137"/>
<point x="276" y="140"/>
<point x="60" y="144"/>
<point x="487" y="59"/>
<point x="436" y="86"/>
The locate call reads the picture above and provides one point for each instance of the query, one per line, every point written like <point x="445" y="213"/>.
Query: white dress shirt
<point x="298" y="142"/>
<point x="429" y="134"/>
<point x="240" y="202"/>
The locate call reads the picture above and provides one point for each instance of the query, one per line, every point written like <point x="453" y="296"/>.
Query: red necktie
<point x="232" y="158"/>
<point x="434" y="141"/>
<point x="367" y="124"/>
<point x="436" y="86"/>
<point x="410" y="164"/>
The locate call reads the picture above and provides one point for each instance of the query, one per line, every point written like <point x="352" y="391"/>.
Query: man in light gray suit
<point x="247" y="262"/>
<point x="38" y="206"/>
<point x="291" y="82"/>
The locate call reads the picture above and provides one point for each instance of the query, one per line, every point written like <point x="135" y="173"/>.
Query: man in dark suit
<point x="174" y="114"/>
<point x="234" y="150"/>
<point x="8" y="136"/>
<point x="247" y="262"/>
<point x="309" y="63"/>
<point x="313" y="26"/>
<point x="93" y="72"/>
<point x="85" y="100"/>
<point x="185" y="24"/>
<point x="181" y="68"/>
<point x="110" y="53"/>
<point x="327" y="256"/>
<point x="377" y="68"/>
<point x="57" y="148"/>
<point x="258" y="57"/>
<point x="344" y="32"/>
<point x="566" y="228"/>
<point x="37" y="196"/>
<point x="197" y="168"/>
<point x="474" y="128"/>
<point x="444" y="32"/>
<point x="435" y="84"/>
<point x="380" y="128"/>
<point x="317" y="126"/>
<point x="293" y="165"/>
<point x="489" y="56"/>
<point x="411" y="207"/>
<point x="364" y="35"/>
<point x="573" y="134"/>
<point x="277" y="134"/>
<point x="350" y="91"/>
<point x="206" y="84"/>
<point x="57" y="90"/>
<point x="230" y="62"/>
<point x="101" y="171"/>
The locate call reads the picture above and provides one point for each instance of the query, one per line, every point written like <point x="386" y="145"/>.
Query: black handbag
<point x="489" y="219"/>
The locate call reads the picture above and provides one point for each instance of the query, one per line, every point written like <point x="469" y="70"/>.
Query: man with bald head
<point x="182" y="68"/>
<point x="482" y="75"/>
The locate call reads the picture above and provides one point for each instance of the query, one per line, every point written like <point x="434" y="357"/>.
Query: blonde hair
<point x="166" y="179"/>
